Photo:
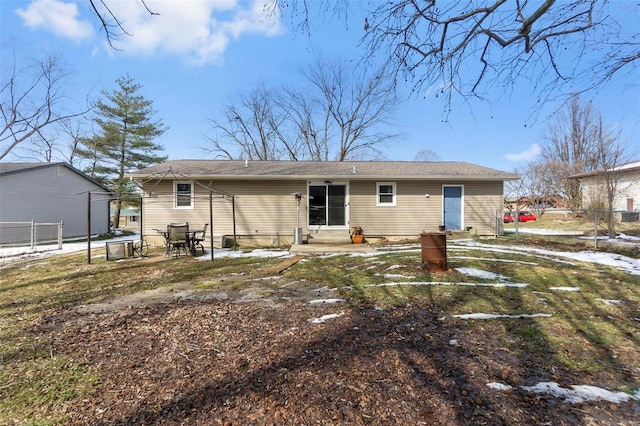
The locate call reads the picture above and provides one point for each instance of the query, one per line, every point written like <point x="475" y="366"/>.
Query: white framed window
<point x="182" y="195"/>
<point x="385" y="194"/>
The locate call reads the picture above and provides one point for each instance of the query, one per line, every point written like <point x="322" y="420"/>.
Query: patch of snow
<point x="493" y="259"/>
<point x="393" y="267"/>
<point x="565" y="288"/>
<point x="479" y="273"/>
<point x="499" y="386"/>
<point x="230" y="253"/>
<point x="496" y="316"/>
<point x="275" y="277"/>
<point x="579" y="393"/>
<point x="325" y="301"/>
<point x="453" y="342"/>
<point x="538" y="231"/>
<point x="609" y="302"/>
<point x="395" y="276"/>
<point x="324" y="318"/>
<point x="629" y="237"/>
<point x="423" y="283"/>
<point x="623" y="263"/>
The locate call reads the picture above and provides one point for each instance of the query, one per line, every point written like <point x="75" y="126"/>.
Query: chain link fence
<point x="30" y="234"/>
<point x="595" y="223"/>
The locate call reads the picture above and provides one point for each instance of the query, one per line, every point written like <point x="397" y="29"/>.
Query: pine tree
<point x="125" y="139"/>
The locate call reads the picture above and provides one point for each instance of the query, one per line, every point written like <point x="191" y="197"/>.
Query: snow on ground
<point x="479" y="273"/>
<point x="623" y="263"/>
<point x="324" y="318"/>
<point x="395" y="276"/>
<point x="423" y="283"/>
<point x="565" y="288"/>
<point x="498" y="316"/>
<point x="11" y="254"/>
<point x="609" y="302"/>
<point x="325" y="301"/>
<point x="577" y="393"/>
<point x="492" y="259"/>
<point x="536" y="231"/>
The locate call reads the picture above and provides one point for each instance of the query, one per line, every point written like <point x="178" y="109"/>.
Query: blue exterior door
<point x="452" y="212"/>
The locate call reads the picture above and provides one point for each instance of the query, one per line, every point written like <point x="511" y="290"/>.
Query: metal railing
<point x="30" y="234"/>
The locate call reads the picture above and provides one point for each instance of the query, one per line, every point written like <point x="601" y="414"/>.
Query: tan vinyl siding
<point x="481" y="201"/>
<point x="412" y="213"/>
<point x="261" y="208"/>
<point x="268" y="208"/>
<point x="415" y="213"/>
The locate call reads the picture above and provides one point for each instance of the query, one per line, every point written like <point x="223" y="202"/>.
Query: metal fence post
<point x="60" y="235"/>
<point x="33" y="234"/>
<point x="595" y="229"/>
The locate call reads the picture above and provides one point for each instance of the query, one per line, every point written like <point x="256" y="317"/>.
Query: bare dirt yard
<point x="186" y="356"/>
<point x="332" y="339"/>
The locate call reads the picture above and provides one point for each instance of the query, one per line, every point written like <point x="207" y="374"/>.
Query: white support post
<point x="60" y="235"/>
<point x="33" y="234"/>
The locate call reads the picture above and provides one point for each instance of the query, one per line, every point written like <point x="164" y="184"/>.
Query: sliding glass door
<point x="327" y="205"/>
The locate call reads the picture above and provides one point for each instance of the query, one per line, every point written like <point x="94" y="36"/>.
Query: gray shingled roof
<point x="7" y="169"/>
<point x="353" y="170"/>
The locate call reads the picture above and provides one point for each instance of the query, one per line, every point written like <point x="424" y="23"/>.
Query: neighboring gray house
<point x="53" y="192"/>
<point x="392" y="199"/>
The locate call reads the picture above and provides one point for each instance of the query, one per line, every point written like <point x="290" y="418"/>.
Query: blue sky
<point x="193" y="58"/>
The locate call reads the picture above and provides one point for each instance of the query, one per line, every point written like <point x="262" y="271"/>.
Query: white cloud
<point x="198" y="29"/>
<point x="528" y="155"/>
<point x="59" y="17"/>
<point x="436" y="89"/>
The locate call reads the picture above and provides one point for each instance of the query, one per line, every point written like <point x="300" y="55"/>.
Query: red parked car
<point x="523" y="216"/>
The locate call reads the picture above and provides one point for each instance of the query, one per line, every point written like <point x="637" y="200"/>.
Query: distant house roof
<point x="353" y="170"/>
<point x="125" y="212"/>
<point x="630" y="167"/>
<point x="7" y="169"/>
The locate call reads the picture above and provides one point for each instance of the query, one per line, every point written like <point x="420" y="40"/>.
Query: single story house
<point x="53" y="193"/>
<point x="627" y="178"/>
<point x="129" y="218"/>
<point x="267" y="202"/>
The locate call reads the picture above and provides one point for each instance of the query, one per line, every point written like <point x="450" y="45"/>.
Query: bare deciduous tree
<point x="75" y="134"/>
<point x="30" y="101"/>
<point x="610" y="154"/>
<point x="356" y="105"/>
<point x="578" y="144"/>
<point x="41" y="148"/>
<point x="113" y="27"/>
<point x="335" y="117"/>
<point x="463" y="47"/>
<point x="248" y="128"/>
<point x="427" y="155"/>
<point x="309" y="129"/>
<point x="569" y="148"/>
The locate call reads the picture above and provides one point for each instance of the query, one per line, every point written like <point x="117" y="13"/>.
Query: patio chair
<point x="177" y="239"/>
<point x="198" y="238"/>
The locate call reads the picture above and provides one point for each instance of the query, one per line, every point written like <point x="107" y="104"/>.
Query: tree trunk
<point x="116" y="213"/>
